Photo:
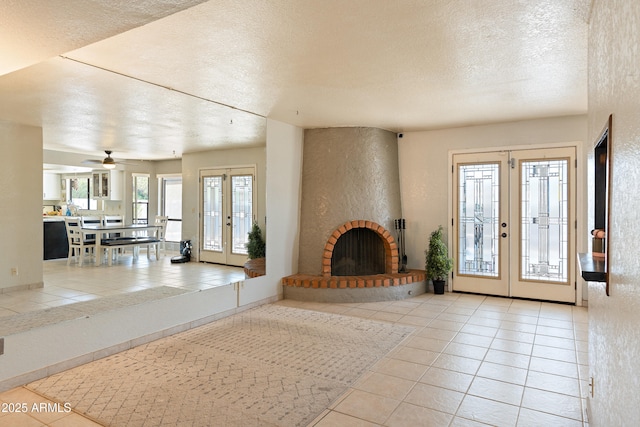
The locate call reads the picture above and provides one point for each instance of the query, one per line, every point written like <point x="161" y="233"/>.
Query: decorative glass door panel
<point x="544" y="232"/>
<point x="212" y="213"/>
<point x="226" y="214"/>
<point x="543" y="205"/>
<point x="480" y="209"/>
<point x="479" y="199"/>
<point x="512" y="233"/>
<point x="242" y="212"/>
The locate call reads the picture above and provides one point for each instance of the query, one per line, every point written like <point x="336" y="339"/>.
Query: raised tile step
<point x="343" y="282"/>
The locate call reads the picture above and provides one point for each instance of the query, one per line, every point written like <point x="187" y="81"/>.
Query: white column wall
<point x="614" y="88"/>
<point x="284" y="177"/>
<point x="21" y="229"/>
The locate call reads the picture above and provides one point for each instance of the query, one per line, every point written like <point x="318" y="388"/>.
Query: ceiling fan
<point x="108" y="162"/>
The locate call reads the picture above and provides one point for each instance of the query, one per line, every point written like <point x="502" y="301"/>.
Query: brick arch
<point x="390" y="246"/>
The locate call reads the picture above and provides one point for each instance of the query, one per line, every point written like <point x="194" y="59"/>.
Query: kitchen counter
<point x="592" y="269"/>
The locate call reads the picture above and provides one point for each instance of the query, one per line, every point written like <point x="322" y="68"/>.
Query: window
<point x="140" y="199"/>
<point x="80" y="192"/>
<point x="171" y="206"/>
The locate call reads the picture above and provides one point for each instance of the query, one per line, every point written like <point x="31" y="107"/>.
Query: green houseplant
<point x="438" y="264"/>
<point x="256" y="246"/>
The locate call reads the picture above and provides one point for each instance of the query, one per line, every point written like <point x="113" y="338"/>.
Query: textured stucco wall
<point x="614" y="338"/>
<point x="21" y="230"/>
<point x="347" y="174"/>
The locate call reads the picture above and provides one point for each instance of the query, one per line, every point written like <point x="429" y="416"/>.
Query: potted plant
<point x="256" y="246"/>
<point x="438" y="264"/>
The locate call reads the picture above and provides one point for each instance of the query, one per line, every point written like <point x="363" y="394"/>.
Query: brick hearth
<point x="343" y="282"/>
<point x="391" y="279"/>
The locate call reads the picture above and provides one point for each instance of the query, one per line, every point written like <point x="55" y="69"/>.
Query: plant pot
<point x="438" y="287"/>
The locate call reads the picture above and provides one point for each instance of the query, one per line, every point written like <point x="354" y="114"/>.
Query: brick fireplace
<point x="390" y="278"/>
<point x="350" y="191"/>
<point x="390" y="249"/>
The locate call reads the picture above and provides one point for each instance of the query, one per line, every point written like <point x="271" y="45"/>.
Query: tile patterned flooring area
<point x="471" y="361"/>
<point x="67" y="284"/>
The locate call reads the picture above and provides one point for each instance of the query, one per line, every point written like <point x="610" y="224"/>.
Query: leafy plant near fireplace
<point x="438" y="264"/>
<point x="256" y="246"/>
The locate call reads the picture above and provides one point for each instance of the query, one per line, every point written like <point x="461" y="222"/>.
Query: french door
<point x="226" y="214"/>
<point x="514" y="223"/>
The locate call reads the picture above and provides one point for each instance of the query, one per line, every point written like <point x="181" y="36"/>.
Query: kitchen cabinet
<point x="55" y="240"/>
<point x="51" y="186"/>
<point x="106" y="185"/>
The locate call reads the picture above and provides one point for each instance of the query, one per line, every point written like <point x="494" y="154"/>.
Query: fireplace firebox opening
<point x="359" y="251"/>
<point x="360" y="248"/>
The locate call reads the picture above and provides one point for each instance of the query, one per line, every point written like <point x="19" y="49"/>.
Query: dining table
<point x="102" y="231"/>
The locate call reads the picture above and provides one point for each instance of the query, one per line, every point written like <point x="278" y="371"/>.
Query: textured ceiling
<point x="153" y="83"/>
<point x="33" y="31"/>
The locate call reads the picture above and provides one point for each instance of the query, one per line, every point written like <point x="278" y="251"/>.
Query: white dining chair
<point x="78" y="244"/>
<point x="90" y="220"/>
<point x="161" y="221"/>
<point x="114" y="220"/>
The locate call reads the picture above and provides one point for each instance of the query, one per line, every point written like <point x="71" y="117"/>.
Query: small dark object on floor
<point x="438" y="287"/>
<point x="185" y="253"/>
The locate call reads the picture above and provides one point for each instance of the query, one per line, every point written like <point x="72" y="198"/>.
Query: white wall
<point x="21" y="229"/>
<point x="425" y="169"/>
<point x="284" y="178"/>
<point x="192" y="163"/>
<point x="614" y="338"/>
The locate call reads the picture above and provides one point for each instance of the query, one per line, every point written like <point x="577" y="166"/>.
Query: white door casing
<point x="514" y="223"/>
<point x="226" y="214"/>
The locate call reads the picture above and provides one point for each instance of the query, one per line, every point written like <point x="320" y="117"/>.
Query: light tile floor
<point x="472" y="361"/>
<point x="68" y="284"/>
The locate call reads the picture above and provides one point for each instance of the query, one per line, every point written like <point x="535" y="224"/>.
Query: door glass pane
<point x="544" y="220"/>
<point x="104" y="187"/>
<point x="173" y="208"/>
<point x="212" y="213"/>
<point x="140" y="199"/>
<point x="478" y="217"/>
<point x="242" y="211"/>
<point x="96" y="185"/>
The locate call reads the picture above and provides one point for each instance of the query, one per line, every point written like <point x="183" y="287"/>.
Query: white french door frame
<point x="224" y="255"/>
<point x="580" y="202"/>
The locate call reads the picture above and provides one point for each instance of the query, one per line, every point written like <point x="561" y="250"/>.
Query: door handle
<point x="504" y="234"/>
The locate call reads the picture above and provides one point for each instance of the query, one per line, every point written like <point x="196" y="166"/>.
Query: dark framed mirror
<point x="601" y="187"/>
<point x="602" y="200"/>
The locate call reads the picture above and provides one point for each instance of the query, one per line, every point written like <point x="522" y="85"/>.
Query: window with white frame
<point x="171" y="205"/>
<point x="140" y="213"/>
<point x="79" y="192"/>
